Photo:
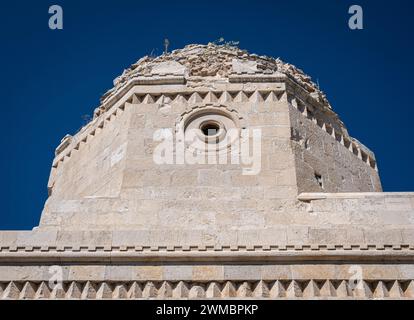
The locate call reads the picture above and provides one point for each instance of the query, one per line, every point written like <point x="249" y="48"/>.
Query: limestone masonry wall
<point x="118" y="224"/>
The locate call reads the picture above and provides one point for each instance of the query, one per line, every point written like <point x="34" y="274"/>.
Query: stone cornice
<point x="243" y="77"/>
<point x="149" y="79"/>
<point x="282" y="253"/>
<point x="352" y="195"/>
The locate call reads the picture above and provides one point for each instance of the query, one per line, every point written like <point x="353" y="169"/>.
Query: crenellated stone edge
<point x="259" y="289"/>
<point x="202" y="248"/>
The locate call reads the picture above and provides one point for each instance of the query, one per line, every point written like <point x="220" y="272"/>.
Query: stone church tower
<point x="209" y="172"/>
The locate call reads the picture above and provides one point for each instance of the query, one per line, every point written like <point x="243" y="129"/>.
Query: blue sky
<point x="51" y="79"/>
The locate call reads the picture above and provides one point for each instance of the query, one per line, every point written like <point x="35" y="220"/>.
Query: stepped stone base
<point x="320" y="261"/>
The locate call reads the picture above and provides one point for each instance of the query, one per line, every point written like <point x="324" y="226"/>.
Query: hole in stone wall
<point x="301" y="106"/>
<point x="338" y="137"/>
<point x="319" y="122"/>
<point x="364" y="156"/>
<point x="354" y="149"/>
<point x="309" y="114"/>
<point x="329" y="129"/>
<point x="347" y="143"/>
<point x="319" y="179"/>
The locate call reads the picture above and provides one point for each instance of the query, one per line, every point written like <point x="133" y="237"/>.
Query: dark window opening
<point x="210" y="129"/>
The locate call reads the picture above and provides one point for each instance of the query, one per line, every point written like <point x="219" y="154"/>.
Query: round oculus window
<point x="208" y="127"/>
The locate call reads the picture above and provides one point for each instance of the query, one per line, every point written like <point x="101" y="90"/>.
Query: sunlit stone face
<point x="234" y="135"/>
<point x="212" y="173"/>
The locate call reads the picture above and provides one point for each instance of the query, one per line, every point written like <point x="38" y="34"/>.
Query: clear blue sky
<point x="50" y="79"/>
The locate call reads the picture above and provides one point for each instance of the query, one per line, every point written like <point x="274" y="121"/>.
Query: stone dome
<point x="213" y="62"/>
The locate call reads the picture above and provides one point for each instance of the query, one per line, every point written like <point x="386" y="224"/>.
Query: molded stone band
<point x="358" y="253"/>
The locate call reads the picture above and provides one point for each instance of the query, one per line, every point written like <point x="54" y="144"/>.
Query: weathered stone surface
<point x="119" y="222"/>
<point x="168" y="67"/>
<point x="244" y="66"/>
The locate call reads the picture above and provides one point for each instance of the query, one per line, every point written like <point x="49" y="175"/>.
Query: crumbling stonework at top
<point x="218" y="61"/>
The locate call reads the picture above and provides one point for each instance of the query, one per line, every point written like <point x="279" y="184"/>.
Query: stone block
<point x="240" y="180"/>
<point x="21" y="272"/>
<point x="213" y="177"/>
<point x="37" y="238"/>
<point x="177" y="273"/>
<point x="148" y="273"/>
<point x="8" y="238"/>
<point x="248" y="237"/>
<point x="242" y="272"/>
<point x="383" y="236"/>
<point x="405" y="271"/>
<point x="131" y="237"/>
<point x="355" y="235"/>
<point x="281" y="160"/>
<point x="279" y="132"/>
<point x="85" y="238"/>
<point x="273" y="236"/>
<point x="313" y="271"/>
<point x="280" y="192"/>
<point x="132" y="178"/>
<point x="119" y="272"/>
<point x="327" y="236"/>
<point x="408" y="235"/>
<point x="86" y="273"/>
<point x="181" y="178"/>
<point x="137" y="121"/>
<point x="208" y="273"/>
<point x="398" y="204"/>
<point x="267" y="177"/>
<point x="298" y="234"/>
<point x="276" y="271"/>
<point x="224" y="236"/>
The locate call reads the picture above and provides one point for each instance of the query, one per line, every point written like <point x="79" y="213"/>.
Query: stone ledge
<point x="352" y="195"/>
<point x="312" y="253"/>
<point x="243" y="77"/>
